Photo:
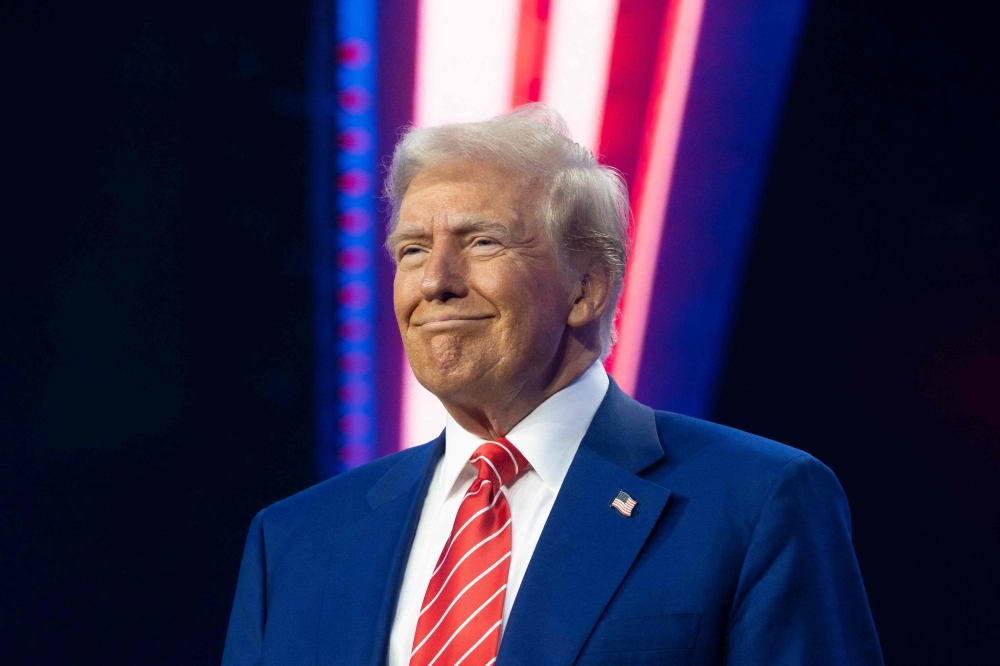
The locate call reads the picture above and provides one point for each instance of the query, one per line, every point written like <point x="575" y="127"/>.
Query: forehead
<point x="463" y="189"/>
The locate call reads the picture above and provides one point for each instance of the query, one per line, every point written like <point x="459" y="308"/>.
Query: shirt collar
<point x="548" y="437"/>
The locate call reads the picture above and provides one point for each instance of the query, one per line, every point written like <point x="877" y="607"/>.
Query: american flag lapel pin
<point x="624" y="503"/>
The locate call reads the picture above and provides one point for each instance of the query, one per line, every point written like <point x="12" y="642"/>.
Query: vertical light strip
<point x="532" y="41"/>
<point x="655" y="174"/>
<point x="465" y="59"/>
<point x="581" y="35"/>
<point x="342" y="113"/>
<point x="356" y="240"/>
<point x="466" y="52"/>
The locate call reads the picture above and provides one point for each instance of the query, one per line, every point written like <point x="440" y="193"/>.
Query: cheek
<point x="533" y="299"/>
<point x="405" y="293"/>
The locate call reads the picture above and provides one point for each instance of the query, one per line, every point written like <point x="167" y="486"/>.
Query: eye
<point x="483" y="242"/>
<point x="409" y="251"/>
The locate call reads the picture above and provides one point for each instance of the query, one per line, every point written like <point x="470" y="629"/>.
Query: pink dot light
<point x="354" y="393"/>
<point x="354" y="182"/>
<point x="355" y="425"/>
<point x="354" y="53"/>
<point x="355" y="330"/>
<point x="353" y="259"/>
<point x="355" y="362"/>
<point x="354" y="140"/>
<point x="354" y="221"/>
<point x="354" y="99"/>
<point x="354" y="295"/>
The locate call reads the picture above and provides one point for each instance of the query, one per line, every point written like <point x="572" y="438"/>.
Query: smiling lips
<point x="445" y="321"/>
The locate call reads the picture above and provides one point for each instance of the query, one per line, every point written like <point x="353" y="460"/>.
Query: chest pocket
<point x="660" y="639"/>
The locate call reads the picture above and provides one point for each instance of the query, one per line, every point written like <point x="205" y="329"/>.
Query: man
<point x="556" y="520"/>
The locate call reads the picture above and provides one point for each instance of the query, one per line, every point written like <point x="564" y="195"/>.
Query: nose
<point x="444" y="274"/>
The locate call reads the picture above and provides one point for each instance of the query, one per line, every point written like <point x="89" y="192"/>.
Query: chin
<point x="453" y="391"/>
<point x="447" y="357"/>
<point x="451" y="365"/>
<point x="451" y="381"/>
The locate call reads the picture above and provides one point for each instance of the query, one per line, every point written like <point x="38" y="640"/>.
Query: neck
<point x="502" y="408"/>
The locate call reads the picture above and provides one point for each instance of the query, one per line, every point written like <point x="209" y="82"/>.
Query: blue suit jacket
<point x="738" y="552"/>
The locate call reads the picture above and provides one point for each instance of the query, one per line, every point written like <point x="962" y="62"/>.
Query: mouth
<point x="448" y="321"/>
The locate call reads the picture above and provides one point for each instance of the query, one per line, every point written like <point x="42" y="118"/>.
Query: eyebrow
<point x="405" y="232"/>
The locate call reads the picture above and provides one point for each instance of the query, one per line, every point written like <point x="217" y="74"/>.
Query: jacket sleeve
<point x="800" y="598"/>
<point x="244" y="640"/>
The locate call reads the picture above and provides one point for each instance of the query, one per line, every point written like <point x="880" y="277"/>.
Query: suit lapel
<point x="587" y="547"/>
<point x="363" y="582"/>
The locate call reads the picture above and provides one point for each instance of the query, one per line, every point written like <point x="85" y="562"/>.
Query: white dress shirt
<point x="548" y="438"/>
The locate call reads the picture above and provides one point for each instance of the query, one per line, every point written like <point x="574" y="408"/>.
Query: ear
<point x="592" y="293"/>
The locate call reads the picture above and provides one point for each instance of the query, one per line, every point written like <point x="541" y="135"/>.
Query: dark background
<point x="155" y="313"/>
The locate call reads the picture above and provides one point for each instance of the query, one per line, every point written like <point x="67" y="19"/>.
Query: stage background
<point x="157" y="322"/>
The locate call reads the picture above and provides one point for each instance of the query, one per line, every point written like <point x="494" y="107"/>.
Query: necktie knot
<point x="498" y="461"/>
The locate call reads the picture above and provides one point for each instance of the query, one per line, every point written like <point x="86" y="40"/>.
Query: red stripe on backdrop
<point x="654" y="173"/>
<point x="532" y="41"/>
<point x="642" y="43"/>
<point x="633" y="64"/>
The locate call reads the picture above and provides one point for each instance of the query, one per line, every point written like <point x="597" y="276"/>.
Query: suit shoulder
<point x="684" y="436"/>
<point x="341" y="494"/>
<point x="737" y="472"/>
<point x="694" y="446"/>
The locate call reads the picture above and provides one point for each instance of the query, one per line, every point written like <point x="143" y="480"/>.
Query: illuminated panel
<point x="465" y="59"/>
<point x="465" y="72"/>
<point x="653" y="179"/>
<point x="581" y="34"/>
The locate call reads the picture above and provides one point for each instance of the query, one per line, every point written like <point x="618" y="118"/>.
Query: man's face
<point x="479" y="295"/>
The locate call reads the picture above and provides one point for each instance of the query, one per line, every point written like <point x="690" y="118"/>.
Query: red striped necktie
<point x="462" y="612"/>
